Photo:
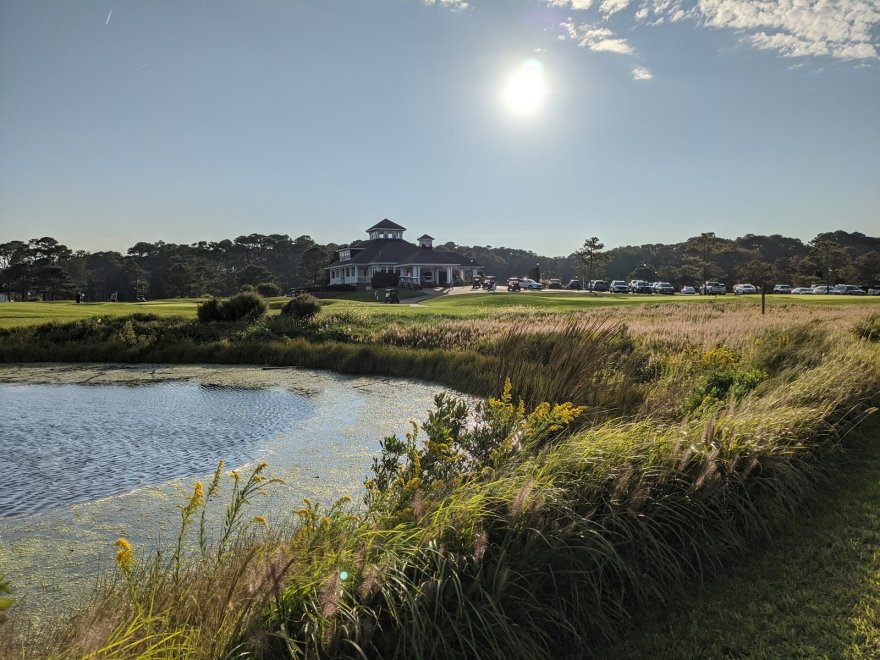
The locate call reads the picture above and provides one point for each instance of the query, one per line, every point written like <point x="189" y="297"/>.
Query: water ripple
<point x="62" y="444"/>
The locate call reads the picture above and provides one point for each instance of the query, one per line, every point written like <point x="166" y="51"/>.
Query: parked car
<point x="802" y="290"/>
<point x="743" y="289"/>
<point x="513" y="284"/>
<point x="640" y="286"/>
<point x="664" y="287"/>
<point x="598" y="285"/>
<point x="574" y="285"/>
<point x="618" y="286"/>
<point x="782" y="288"/>
<point x="527" y="283"/>
<point x="874" y="290"/>
<point x="688" y="290"/>
<point x="822" y="288"/>
<point x="849" y="290"/>
<point x="554" y="283"/>
<point x="714" y="288"/>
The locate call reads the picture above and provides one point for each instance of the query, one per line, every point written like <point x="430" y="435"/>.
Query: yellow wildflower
<point x="125" y="555"/>
<point x="260" y="520"/>
<point x="198" y="493"/>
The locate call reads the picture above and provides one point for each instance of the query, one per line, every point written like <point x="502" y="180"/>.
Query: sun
<point x="526" y="89"/>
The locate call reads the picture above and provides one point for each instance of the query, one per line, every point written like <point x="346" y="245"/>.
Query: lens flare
<point x="526" y="88"/>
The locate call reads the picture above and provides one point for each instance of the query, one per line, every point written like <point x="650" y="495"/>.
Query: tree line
<point x="47" y="269"/>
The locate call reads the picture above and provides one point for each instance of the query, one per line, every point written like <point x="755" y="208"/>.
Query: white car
<point x="715" y="288"/>
<point x="526" y="283"/>
<point x="741" y="289"/>
<point x="782" y="288"/>
<point x="802" y="289"/>
<point x="618" y="286"/>
<point x="849" y="290"/>
<point x="688" y="290"/>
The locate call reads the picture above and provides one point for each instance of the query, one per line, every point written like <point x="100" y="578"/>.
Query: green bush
<point x="302" y="307"/>
<point x="268" y="289"/>
<point x="240" y="306"/>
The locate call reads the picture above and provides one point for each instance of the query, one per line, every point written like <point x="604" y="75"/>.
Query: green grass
<point x="30" y="313"/>
<point x="478" y="304"/>
<point x="815" y="593"/>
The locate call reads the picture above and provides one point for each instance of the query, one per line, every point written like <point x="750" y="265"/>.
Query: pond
<point x="91" y="453"/>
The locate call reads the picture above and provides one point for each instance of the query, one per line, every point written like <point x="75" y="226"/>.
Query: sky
<point x="531" y="124"/>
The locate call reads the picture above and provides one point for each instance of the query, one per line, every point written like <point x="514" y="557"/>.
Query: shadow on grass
<point x="815" y="593"/>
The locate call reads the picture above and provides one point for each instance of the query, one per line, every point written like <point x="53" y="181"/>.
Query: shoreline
<point x="218" y="375"/>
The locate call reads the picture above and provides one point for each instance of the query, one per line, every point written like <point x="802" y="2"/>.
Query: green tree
<point x="644" y="272"/>
<point x="757" y="272"/>
<point x="703" y="251"/>
<point x="826" y="257"/>
<point x="590" y="255"/>
<point x="312" y="265"/>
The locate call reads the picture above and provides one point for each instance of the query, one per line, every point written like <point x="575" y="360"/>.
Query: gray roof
<point x="425" y="236"/>
<point x="396" y="251"/>
<point x="386" y="224"/>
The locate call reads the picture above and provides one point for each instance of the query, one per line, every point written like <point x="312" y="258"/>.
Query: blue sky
<point x="638" y="122"/>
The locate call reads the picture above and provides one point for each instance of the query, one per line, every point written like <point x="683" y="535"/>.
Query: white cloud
<point x="841" y="29"/>
<point x="641" y="73"/>
<point x="602" y="39"/>
<point x="609" y="7"/>
<point x="451" y="4"/>
<point x="569" y="29"/>
<point x="844" y="29"/>
<point x="574" y="4"/>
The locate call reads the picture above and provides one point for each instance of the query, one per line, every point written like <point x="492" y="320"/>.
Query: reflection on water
<point x="84" y="464"/>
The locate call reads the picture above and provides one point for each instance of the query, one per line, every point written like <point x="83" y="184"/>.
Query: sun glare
<point x="525" y="89"/>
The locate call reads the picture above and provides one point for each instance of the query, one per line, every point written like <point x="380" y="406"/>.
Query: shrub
<point x="209" y="311"/>
<point x="268" y="289"/>
<point x="302" y="307"/>
<point x="241" y="306"/>
<point x="340" y="287"/>
<point x="246" y="288"/>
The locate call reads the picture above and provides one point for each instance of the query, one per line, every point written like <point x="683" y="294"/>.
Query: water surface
<point x="93" y="453"/>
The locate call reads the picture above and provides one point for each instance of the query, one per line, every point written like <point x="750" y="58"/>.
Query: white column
<point x="449" y="276"/>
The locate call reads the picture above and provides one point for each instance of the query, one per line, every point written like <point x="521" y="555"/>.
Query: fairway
<point x="463" y="305"/>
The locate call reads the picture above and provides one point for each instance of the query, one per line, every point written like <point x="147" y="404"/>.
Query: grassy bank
<point x="814" y="593"/>
<point x="508" y="530"/>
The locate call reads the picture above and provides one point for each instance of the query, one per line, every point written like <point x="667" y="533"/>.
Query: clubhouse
<point x="387" y="252"/>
